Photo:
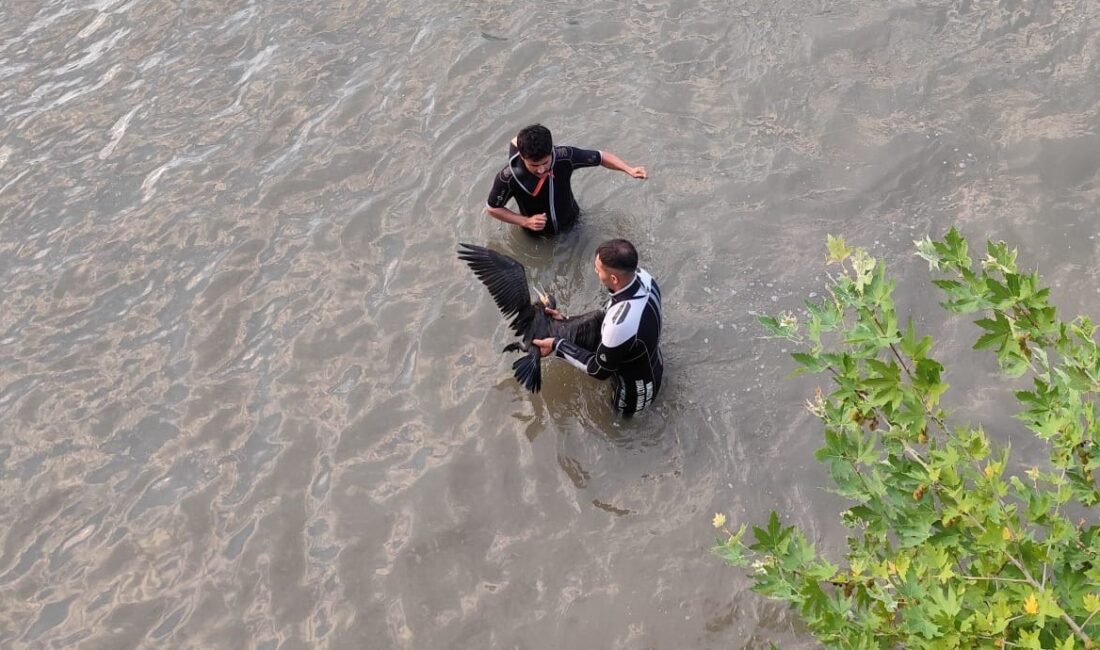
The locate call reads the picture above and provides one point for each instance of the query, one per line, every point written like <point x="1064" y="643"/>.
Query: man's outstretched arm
<point x="611" y="161"/>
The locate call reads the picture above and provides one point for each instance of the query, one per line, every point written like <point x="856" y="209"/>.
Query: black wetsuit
<point x="628" y="349"/>
<point x="554" y="197"/>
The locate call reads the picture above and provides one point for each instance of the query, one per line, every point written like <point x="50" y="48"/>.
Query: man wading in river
<point x="538" y="175"/>
<point x="630" y="334"/>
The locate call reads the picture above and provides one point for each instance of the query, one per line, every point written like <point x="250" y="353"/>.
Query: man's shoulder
<point x="577" y="156"/>
<point x="505" y="175"/>
<point x="565" y="151"/>
<point x="621" y="323"/>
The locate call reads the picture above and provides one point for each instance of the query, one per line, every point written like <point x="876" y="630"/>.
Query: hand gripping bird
<point x="506" y="280"/>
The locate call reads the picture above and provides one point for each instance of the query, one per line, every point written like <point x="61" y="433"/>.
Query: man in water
<point x="538" y="175"/>
<point x="629" y="336"/>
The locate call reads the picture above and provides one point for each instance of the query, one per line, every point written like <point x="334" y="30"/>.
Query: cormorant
<point x="506" y="280"/>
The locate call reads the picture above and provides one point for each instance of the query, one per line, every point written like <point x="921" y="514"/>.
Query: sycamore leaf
<point x="1030" y="639"/>
<point x="930" y="501"/>
<point x="1031" y="605"/>
<point x="927" y="251"/>
<point x="838" y="251"/>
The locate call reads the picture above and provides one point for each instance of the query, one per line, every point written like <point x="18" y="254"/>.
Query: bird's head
<point x="545" y="301"/>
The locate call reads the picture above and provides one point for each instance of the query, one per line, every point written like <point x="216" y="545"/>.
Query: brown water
<point x="250" y="399"/>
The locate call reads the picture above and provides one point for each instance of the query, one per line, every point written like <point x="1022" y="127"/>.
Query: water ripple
<point x="251" y="399"/>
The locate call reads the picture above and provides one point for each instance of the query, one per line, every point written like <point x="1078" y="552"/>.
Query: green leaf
<point x="914" y="349"/>
<point x="955" y="249"/>
<point x="838" y="251"/>
<point x="810" y="362"/>
<point x="999" y="257"/>
<point x="933" y="513"/>
<point x="945" y="602"/>
<point x="774" y="539"/>
<point x="1091" y="603"/>
<point x="917" y="622"/>
<point x="1030" y="638"/>
<point x="776" y="328"/>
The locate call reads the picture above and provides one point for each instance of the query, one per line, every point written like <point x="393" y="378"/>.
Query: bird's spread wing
<point x="584" y="330"/>
<point x="506" y="281"/>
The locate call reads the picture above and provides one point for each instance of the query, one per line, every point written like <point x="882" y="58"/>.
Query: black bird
<point x="507" y="283"/>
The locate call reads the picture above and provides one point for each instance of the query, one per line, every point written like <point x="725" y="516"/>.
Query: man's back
<point x="630" y="342"/>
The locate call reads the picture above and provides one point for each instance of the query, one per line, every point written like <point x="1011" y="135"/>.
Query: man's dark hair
<point x="618" y="255"/>
<point x="534" y="142"/>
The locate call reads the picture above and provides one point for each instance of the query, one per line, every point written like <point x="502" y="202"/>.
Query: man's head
<point x="616" y="263"/>
<point x="536" y="147"/>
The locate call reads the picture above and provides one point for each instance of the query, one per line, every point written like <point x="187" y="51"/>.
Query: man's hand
<point x="637" y="172"/>
<point x="546" y="346"/>
<point x="536" y="222"/>
<point x="553" y="313"/>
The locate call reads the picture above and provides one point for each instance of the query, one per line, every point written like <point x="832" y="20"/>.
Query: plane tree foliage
<point x="949" y="544"/>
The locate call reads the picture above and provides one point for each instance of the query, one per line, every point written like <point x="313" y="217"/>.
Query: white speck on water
<point x="775" y="298"/>
<point x="962" y="165"/>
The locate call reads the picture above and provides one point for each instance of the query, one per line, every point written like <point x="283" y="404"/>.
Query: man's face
<point x="539" y="167"/>
<point x="607" y="278"/>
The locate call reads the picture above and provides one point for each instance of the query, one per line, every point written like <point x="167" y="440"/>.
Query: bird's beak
<point x="543" y="298"/>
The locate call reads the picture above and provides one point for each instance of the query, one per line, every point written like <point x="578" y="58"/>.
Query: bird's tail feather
<point x="528" y="370"/>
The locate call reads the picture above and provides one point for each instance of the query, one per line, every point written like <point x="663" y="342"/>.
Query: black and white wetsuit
<point x="554" y="197"/>
<point x="628" y="349"/>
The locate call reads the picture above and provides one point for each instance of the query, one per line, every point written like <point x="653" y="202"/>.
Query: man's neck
<point x="626" y="283"/>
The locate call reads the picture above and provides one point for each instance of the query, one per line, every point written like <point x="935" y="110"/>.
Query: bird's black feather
<point x="584" y="330"/>
<point x="506" y="280"/>
<point x="528" y="370"/>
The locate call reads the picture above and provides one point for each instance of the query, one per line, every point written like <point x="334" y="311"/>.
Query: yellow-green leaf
<point x="838" y="251"/>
